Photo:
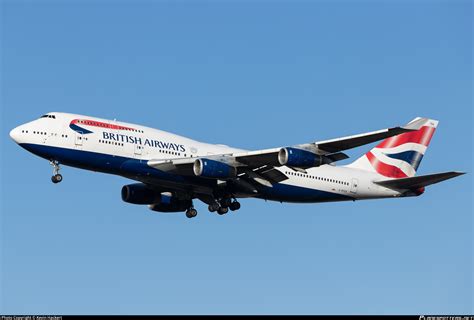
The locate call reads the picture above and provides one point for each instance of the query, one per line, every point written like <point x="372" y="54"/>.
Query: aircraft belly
<point x="298" y="194"/>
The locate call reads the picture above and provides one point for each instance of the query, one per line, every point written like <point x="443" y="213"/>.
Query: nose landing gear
<point x="56" y="178"/>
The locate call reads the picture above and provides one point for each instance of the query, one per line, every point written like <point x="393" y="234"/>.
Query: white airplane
<point x="173" y="171"/>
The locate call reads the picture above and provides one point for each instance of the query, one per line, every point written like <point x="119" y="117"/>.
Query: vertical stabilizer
<point x="399" y="156"/>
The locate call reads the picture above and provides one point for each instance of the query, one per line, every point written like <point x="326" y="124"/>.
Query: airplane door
<point x="138" y="150"/>
<point x="78" y="139"/>
<point x="354" y="186"/>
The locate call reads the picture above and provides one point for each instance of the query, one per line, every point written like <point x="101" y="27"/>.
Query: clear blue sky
<point x="252" y="75"/>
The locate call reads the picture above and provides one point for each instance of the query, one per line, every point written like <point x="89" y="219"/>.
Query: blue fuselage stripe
<point x="135" y="169"/>
<point x="79" y="129"/>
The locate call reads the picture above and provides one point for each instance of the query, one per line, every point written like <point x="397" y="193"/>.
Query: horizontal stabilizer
<point x="418" y="182"/>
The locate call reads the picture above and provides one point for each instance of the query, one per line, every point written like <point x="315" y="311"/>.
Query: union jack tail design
<point x="399" y="156"/>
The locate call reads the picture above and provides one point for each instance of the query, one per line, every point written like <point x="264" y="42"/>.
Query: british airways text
<point x="144" y="142"/>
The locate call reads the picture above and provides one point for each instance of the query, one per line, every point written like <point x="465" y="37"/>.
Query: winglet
<point x="418" y="123"/>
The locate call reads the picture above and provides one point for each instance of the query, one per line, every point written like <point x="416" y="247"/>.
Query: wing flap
<point x="177" y="166"/>
<point x="418" y="182"/>
<point x="274" y="175"/>
<point x="255" y="159"/>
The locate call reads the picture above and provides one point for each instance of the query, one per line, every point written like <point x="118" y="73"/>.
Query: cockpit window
<point x="48" y="116"/>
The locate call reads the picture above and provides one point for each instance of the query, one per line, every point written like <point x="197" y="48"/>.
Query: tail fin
<point x="399" y="156"/>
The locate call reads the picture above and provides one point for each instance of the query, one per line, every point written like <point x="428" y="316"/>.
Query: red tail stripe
<point x="100" y="124"/>
<point x="422" y="136"/>
<point x="385" y="169"/>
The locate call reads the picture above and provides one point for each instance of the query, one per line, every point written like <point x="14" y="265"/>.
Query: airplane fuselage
<point x="125" y="149"/>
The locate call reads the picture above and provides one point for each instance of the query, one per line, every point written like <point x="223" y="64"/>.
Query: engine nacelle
<point x="298" y="158"/>
<point x="207" y="168"/>
<point x="174" y="205"/>
<point x="139" y="193"/>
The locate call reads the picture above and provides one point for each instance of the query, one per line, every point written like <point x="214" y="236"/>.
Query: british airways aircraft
<point x="171" y="171"/>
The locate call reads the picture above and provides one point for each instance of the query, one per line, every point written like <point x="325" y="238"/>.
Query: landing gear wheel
<point x="214" y="207"/>
<point x="191" y="213"/>
<point x="234" y="206"/>
<point x="57" y="178"/>
<point x="226" y="202"/>
<point x="222" y="211"/>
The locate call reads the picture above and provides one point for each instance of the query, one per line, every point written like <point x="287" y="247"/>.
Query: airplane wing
<point x="330" y="148"/>
<point x="259" y="165"/>
<point x="414" y="183"/>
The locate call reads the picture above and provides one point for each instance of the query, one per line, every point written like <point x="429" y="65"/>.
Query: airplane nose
<point x="14" y="134"/>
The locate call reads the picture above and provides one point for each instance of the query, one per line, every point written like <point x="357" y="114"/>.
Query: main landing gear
<point x="223" y="206"/>
<point x="222" y="211"/>
<point x="191" y="213"/>
<point x="56" y="178"/>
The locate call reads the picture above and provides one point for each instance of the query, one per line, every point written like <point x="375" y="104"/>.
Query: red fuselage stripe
<point x="100" y="124"/>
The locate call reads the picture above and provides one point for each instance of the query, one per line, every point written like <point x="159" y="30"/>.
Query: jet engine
<point x="207" y="168"/>
<point x="298" y="158"/>
<point x="139" y="193"/>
